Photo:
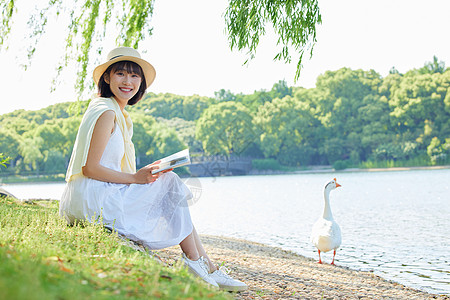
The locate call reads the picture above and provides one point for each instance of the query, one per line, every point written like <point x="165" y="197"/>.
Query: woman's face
<point x="123" y="85"/>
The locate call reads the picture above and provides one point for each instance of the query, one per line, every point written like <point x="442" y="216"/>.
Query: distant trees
<point x="9" y="142"/>
<point x="438" y="152"/>
<point x="351" y="118"/>
<point x="170" y="106"/>
<point x="225" y="128"/>
<point x="287" y="129"/>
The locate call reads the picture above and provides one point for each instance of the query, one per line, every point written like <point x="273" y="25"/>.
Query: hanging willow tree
<point x="294" y="23"/>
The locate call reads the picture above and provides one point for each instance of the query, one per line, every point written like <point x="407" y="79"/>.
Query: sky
<point x="190" y="51"/>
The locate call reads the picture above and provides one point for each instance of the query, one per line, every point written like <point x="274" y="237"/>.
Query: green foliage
<point x="30" y="150"/>
<point x="153" y="140"/>
<point x="3" y="160"/>
<point x="341" y="164"/>
<point x="7" y="8"/>
<point x="185" y="131"/>
<point x="9" y="143"/>
<point x="439" y="153"/>
<point x="286" y="129"/>
<point x="166" y="142"/>
<point x="226" y="128"/>
<point x="434" y="66"/>
<point x="54" y="162"/>
<point x="90" y="21"/>
<point x="421" y="160"/>
<point x="87" y="22"/>
<point x="258" y="98"/>
<point x="224" y="96"/>
<point x="43" y="258"/>
<point x="354" y="117"/>
<point x="170" y="106"/>
<point x="142" y="138"/>
<point x="294" y="23"/>
<point x="266" y="164"/>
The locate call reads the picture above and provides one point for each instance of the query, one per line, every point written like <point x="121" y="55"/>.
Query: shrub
<point x="266" y="164"/>
<point x="341" y="164"/>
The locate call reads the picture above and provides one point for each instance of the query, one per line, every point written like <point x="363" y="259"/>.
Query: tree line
<point x="351" y="118"/>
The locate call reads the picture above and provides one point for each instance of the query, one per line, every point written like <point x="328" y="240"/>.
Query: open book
<point x="176" y="160"/>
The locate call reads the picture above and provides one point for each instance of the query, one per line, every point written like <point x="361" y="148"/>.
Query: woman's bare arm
<point x="93" y="169"/>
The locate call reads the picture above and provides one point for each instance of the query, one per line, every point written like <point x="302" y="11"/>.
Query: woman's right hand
<point x="144" y="175"/>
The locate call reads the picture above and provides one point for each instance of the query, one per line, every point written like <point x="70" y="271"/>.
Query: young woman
<point x="102" y="181"/>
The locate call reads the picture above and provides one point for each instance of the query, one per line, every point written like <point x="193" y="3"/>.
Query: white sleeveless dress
<point x="155" y="214"/>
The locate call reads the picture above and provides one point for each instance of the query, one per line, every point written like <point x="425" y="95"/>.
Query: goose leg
<point x="320" y="260"/>
<point x="334" y="254"/>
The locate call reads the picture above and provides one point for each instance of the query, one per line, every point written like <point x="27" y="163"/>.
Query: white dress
<point x="155" y="214"/>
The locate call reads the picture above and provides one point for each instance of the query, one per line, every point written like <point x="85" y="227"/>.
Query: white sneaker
<point x="199" y="268"/>
<point x="226" y="282"/>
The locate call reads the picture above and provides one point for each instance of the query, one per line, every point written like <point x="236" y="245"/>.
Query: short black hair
<point x="131" y="67"/>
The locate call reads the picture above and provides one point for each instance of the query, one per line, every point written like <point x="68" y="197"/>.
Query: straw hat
<point x="130" y="54"/>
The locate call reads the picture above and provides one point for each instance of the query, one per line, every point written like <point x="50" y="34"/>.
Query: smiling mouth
<point x="125" y="89"/>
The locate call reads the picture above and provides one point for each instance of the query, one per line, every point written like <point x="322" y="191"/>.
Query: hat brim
<point x="147" y="68"/>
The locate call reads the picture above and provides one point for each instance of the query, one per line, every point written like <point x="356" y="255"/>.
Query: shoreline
<point x="274" y="273"/>
<point x="329" y="169"/>
<point x="310" y="170"/>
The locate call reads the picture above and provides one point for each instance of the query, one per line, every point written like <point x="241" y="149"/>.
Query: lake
<point x="394" y="223"/>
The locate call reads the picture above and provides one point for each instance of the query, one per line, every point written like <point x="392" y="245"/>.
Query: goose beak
<point x="337" y="184"/>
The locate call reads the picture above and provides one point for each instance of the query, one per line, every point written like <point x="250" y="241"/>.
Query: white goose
<point x="326" y="234"/>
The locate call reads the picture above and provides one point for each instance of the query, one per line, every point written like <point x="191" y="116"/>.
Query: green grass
<point x="43" y="258"/>
<point x="271" y="164"/>
<point x="415" y="162"/>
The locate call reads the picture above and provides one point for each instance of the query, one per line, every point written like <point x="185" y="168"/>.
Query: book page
<point x="175" y="160"/>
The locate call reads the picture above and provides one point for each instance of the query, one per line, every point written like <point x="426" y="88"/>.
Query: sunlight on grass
<point x="414" y="162"/>
<point x="44" y="258"/>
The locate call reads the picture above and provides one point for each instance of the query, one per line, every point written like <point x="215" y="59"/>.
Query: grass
<point x="44" y="258"/>
<point x="414" y="162"/>
<point x="271" y="164"/>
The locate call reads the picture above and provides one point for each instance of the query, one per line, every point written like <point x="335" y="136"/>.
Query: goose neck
<point x="327" y="208"/>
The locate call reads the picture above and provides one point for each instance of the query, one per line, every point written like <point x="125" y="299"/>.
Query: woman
<point x="102" y="181"/>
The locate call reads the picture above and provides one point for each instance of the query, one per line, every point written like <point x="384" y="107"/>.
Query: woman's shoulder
<point x="101" y="102"/>
<point x="98" y="106"/>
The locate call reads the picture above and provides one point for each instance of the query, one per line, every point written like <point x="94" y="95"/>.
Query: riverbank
<point x="273" y="273"/>
<point x="307" y="170"/>
<point x="89" y="255"/>
<point x="329" y="169"/>
<point x="31" y="179"/>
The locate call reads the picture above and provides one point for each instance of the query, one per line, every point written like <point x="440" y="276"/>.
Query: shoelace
<point x="203" y="264"/>
<point x="224" y="271"/>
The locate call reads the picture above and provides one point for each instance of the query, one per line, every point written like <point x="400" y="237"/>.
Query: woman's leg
<point x="193" y="261"/>
<point x="193" y="248"/>
<point x="202" y="252"/>
<point x="189" y="247"/>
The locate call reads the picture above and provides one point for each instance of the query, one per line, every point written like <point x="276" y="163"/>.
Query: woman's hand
<point x="145" y="175"/>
